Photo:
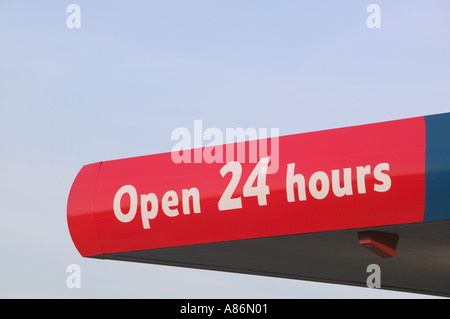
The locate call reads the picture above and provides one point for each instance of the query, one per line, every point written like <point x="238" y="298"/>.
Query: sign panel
<point x="354" y="177"/>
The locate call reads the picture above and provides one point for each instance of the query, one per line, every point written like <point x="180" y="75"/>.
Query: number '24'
<point x="261" y="190"/>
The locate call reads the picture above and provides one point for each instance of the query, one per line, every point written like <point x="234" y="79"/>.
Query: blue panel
<point x="437" y="167"/>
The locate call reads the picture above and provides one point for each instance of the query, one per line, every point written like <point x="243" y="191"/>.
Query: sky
<point x="134" y="71"/>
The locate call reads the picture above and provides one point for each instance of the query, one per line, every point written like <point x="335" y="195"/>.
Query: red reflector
<point x="382" y="244"/>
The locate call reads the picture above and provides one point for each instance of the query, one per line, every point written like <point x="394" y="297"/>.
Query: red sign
<point x="362" y="176"/>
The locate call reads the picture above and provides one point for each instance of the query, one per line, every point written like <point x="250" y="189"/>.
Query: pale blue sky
<point x="136" y="70"/>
